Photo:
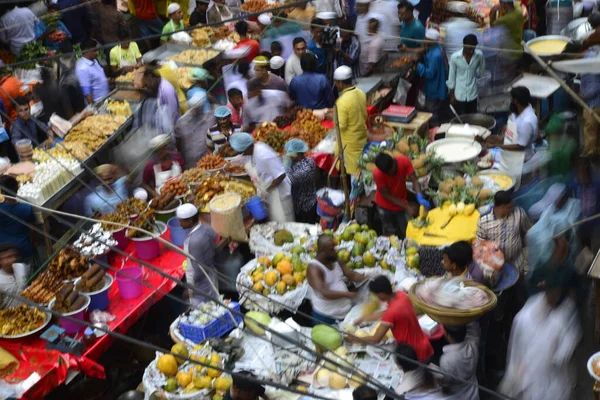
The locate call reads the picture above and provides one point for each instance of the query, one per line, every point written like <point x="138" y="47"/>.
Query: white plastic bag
<point x="402" y="92"/>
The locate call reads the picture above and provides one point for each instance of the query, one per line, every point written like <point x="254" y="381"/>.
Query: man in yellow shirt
<point x="352" y="117"/>
<point x="126" y="56"/>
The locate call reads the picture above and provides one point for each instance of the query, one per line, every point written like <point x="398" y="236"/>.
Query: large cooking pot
<point x="487" y="121"/>
<point x="578" y="29"/>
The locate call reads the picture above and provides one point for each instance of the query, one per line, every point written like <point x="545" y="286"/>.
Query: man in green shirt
<point x="175" y="23"/>
<point x="506" y="15"/>
<point x="411" y="28"/>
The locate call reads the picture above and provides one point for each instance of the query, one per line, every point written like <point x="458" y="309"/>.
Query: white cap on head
<point x="276" y="62"/>
<point x="264" y="19"/>
<point x="342" y="73"/>
<point x="432" y="34"/>
<point x="172" y="8"/>
<point x="141" y="194"/>
<point x="159" y="141"/>
<point x="327" y="15"/>
<point x="186" y="211"/>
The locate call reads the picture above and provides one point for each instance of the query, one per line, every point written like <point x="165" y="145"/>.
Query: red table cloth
<point x="52" y="365"/>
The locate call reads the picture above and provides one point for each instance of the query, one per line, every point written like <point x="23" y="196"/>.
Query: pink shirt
<point x="236" y="117"/>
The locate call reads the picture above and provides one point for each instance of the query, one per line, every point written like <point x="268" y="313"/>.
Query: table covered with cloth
<point x="461" y="227"/>
<point x="52" y="365"/>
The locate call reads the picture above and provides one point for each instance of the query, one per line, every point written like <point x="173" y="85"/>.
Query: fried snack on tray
<point x="132" y="206"/>
<point x="145" y="221"/>
<point x="94" y="130"/>
<point x="235" y="169"/>
<point x="113" y="217"/>
<point x="21" y="319"/>
<point x="164" y="201"/>
<point x="175" y="186"/>
<point x="196" y="57"/>
<point x="211" y="162"/>
<point x="401" y="62"/>
<point x="68" y="300"/>
<point x="226" y="151"/>
<point x="183" y="77"/>
<point x="79" y="150"/>
<point x="92" y="280"/>
<point x="200" y="38"/>
<point x="127" y="77"/>
<point x="221" y="32"/>
<point x="193" y="175"/>
<point x="43" y="288"/>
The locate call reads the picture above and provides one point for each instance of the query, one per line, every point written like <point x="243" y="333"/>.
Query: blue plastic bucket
<point x="256" y="208"/>
<point x="99" y="299"/>
<point x="178" y="234"/>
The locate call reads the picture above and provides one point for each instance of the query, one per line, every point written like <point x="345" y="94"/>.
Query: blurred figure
<point x="371" y="55"/>
<point x="316" y="45"/>
<point x="175" y="23"/>
<point x="105" y="198"/>
<point x="199" y="14"/>
<point x="466" y="66"/>
<point x="590" y="91"/>
<point x="245" y="75"/>
<point x="583" y="185"/>
<point x="165" y="93"/>
<point x="363" y="17"/>
<point x="241" y="27"/>
<point x="507" y="226"/>
<point x="189" y="139"/>
<point x="302" y="172"/>
<point x="459" y="360"/>
<point x="303" y="14"/>
<point x="292" y="66"/>
<point x="90" y="73"/>
<point x="417" y="382"/>
<point x="110" y="20"/>
<point x="349" y="50"/>
<point x="543" y="339"/>
<point x="364" y="393"/>
<point x="10" y="89"/>
<point x="266" y="79"/>
<point x="506" y="15"/>
<point x="13" y="274"/>
<point x="236" y="105"/>
<point x="311" y="90"/>
<point x="25" y="127"/>
<point x="244" y="389"/>
<point x="411" y="28"/>
<point x="219" y="134"/>
<point x="218" y="11"/>
<point x="199" y="78"/>
<point x="17" y="28"/>
<point x="162" y="166"/>
<point x="432" y="71"/>
<point x="263" y="105"/>
<point x="15" y="233"/>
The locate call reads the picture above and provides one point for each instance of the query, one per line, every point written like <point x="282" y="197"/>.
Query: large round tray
<point x="22" y="335"/>
<point x="452" y="316"/>
<point x="460" y="146"/>
<point x="543" y="39"/>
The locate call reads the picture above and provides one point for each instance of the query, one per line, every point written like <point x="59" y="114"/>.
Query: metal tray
<point x="543" y="39"/>
<point x="22" y="335"/>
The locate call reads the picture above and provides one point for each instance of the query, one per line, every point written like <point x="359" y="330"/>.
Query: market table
<point x="52" y="365"/>
<point x="417" y="125"/>
<point x="461" y="227"/>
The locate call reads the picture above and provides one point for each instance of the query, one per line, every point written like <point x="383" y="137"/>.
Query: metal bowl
<point x="484" y="120"/>
<point x="131" y="395"/>
<point x="578" y="29"/>
<point x="543" y="39"/>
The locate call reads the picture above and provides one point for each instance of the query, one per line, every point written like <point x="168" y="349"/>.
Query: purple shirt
<point x="167" y="97"/>
<point x="92" y="78"/>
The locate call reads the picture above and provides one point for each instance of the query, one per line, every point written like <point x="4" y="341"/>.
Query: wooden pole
<point x="557" y="78"/>
<point x="338" y="136"/>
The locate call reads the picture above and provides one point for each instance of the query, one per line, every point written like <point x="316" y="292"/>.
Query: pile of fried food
<point x="402" y="62"/>
<point x="132" y="206"/>
<point x="113" y="217"/>
<point x="41" y="155"/>
<point x="79" y="150"/>
<point x="211" y="162"/>
<point x="127" y="77"/>
<point x="308" y="128"/>
<point x="175" y="186"/>
<point x="226" y="151"/>
<point x="195" y="57"/>
<point x="144" y="221"/>
<point x="164" y="201"/>
<point x="269" y="133"/>
<point x="67" y="265"/>
<point x="235" y="169"/>
<point x="20" y="319"/>
<point x="218" y="184"/>
<point x="192" y="175"/>
<point x="223" y="32"/>
<point x="288" y="117"/>
<point x="200" y="37"/>
<point x="92" y="280"/>
<point x="258" y="5"/>
<point x="183" y="77"/>
<point x="68" y="299"/>
<point x="94" y="130"/>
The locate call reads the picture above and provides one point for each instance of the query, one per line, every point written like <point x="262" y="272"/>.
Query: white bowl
<point x="589" y="365"/>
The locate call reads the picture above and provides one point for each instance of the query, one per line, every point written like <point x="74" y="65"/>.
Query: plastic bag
<point x="402" y="92"/>
<point x="181" y="37"/>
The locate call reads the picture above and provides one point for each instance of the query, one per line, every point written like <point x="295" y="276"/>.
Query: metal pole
<point x="340" y="147"/>
<point x="557" y="78"/>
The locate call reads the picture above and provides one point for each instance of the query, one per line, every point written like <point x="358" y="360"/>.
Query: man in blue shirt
<point x="311" y="90"/>
<point x="411" y="28"/>
<point x="25" y="128"/>
<point x="12" y="231"/>
<point x="105" y="198"/>
<point x="432" y="70"/>
<point x="90" y="73"/>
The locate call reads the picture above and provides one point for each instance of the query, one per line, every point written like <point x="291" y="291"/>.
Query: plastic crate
<point x="214" y="329"/>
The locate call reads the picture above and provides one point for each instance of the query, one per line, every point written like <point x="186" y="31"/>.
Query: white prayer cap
<point x="276" y="62"/>
<point x="342" y="73"/>
<point x="141" y="194"/>
<point x="264" y="19"/>
<point x="327" y="15"/>
<point x="158" y="141"/>
<point x="186" y="211"/>
<point x="172" y="8"/>
<point x="432" y="34"/>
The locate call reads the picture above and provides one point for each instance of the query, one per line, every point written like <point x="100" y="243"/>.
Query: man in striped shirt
<point x="506" y="225"/>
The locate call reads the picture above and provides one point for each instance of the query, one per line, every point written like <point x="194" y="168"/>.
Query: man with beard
<point x="331" y="299"/>
<point x="263" y="105"/>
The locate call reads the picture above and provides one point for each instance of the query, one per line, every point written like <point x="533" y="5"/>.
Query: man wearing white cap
<point x="432" y="70"/>
<point x="200" y="244"/>
<point x="162" y="166"/>
<point x="277" y="63"/>
<point x="175" y="23"/>
<point x="352" y="117"/>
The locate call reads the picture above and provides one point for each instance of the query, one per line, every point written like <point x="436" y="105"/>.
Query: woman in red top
<point x="400" y="317"/>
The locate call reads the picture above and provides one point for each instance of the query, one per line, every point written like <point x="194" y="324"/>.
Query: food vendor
<point x="265" y="168"/>
<point x="302" y="171"/>
<point x="432" y="71"/>
<point x="390" y="177"/>
<point x="243" y="388"/>
<point x="263" y="105"/>
<point x="199" y="14"/>
<point x="13" y="274"/>
<point x="200" y="243"/>
<point x="399" y="316"/>
<point x="90" y="73"/>
<point x="163" y="165"/>
<point x="16" y="233"/>
<point x="175" y="23"/>
<point x="507" y="226"/>
<point x="199" y="78"/>
<point x="331" y="300"/>
<point x="519" y="135"/>
<point x="352" y="118"/>
<point x="24" y="127"/>
<point x="411" y="28"/>
<point x="105" y="198"/>
<point x="189" y="139"/>
<point x="126" y="56"/>
<point x="218" y="11"/>
<point x="219" y="134"/>
<point x="241" y="27"/>
<point x="311" y="90"/>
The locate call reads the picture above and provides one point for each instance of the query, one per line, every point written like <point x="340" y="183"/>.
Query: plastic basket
<point x="228" y="221"/>
<point x="214" y="329"/>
